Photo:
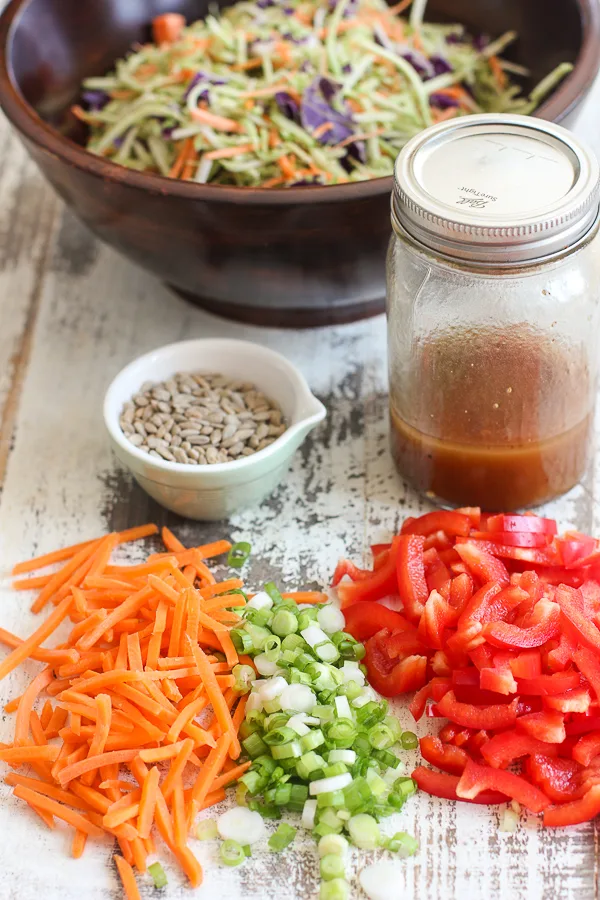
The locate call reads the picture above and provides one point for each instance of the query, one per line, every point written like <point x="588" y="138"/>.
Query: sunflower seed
<point x="199" y="419"/>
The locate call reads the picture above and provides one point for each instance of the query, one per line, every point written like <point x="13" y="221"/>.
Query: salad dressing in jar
<point x="493" y="311"/>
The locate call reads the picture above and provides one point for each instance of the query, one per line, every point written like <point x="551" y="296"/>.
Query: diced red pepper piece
<point x="589" y="666"/>
<point x="382" y="583"/>
<point x="474" y="514"/>
<point x="558" y="778"/>
<point x="410" y="572"/>
<point x="346" y="567"/>
<point x="543" y="556"/>
<point x="583" y="810"/>
<point x="434" y="690"/>
<point x="388" y="676"/>
<point x="482" y="565"/>
<point x="446" y="757"/>
<point x="579" y="627"/>
<point x="561" y="656"/>
<point x="404" y="643"/>
<point x="587" y="748"/>
<point x="475" y="696"/>
<point x="452" y="523"/>
<point x="440" y="664"/>
<point x="544" y="685"/>
<point x="547" y="726"/>
<point x="576" y="701"/>
<point x="582" y="724"/>
<point x="476" y="742"/>
<point x="437" y="616"/>
<point x="545" y="625"/>
<point x="488" y="718"/>
<point x="529" y="705"/>
<point x="501" y="750"/>
<point x="512" y="538"/>
<point x="461" y="591"/>
<point x="363" y="620"/>
<point x="499" y="679"/>
<point x="527" y="664"/>
<point x="476" y="778"/>
<point x="490" y="603"/>
<point x="482" y="657"/>
<point x="448" y="733"/>
<point x="438" y="577"/>
<point x="440" y="784"/>
<point x="439" y="541"/>
<point x="576" y="548"/>
<point x="521" y="523"/>
<point x="590" y="591"/>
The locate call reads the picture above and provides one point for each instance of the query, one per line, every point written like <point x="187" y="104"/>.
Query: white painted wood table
<point x="72" y="313"/>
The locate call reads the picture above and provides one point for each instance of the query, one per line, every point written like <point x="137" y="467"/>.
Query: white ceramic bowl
<point x="215" y="492"/>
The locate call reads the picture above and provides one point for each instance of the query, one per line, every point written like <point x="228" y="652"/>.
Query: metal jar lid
<point x="496" y="189"/>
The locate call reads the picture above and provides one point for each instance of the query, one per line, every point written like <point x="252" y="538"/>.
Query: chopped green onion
<point x="381" y="736"/>
<point x="157" y="873"/>
<point x="409" y="740"/>
<point x="254" y="745"/>
<point x="243" y="676"/>
<point x="364" y="831"/>
<point x="284" y="623"/>
<point x="279" y="736"/>
<point x="341" y="733"/>
<point x="247" y="850"/>
<point x="290" y="750"/>
<point x="206" y="830"/>
<point x="273" y="593"/>
<point x="334" y="890"/>
<point x="232" y="853"/>
<point x="242" y="641"/>
<point x="333" y="844"/>
<point x="331" y="866"/>
<point x="312" y="740"/>
<point x="403" y="844"/>
<point x="282" y="838"/>
<point x="238" y="554"/>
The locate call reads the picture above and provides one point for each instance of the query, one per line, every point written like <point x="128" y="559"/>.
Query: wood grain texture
<point x="73" y="313"/>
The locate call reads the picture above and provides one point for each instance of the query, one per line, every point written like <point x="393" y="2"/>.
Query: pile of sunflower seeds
<point x="201" y="419"/>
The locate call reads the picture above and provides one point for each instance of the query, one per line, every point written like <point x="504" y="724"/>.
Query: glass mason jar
<point x="493" y="311"/>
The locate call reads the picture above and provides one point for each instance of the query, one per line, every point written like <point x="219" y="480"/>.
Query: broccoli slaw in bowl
<point x="280" y="93"/>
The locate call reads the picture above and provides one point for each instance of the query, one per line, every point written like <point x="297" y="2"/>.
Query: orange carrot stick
<point x="148" y="802"/>
<point x="31" y="753"/>
<point x="127" y="878"/>
<point x="167" y="28"/>
<point x="33" y="642"/>
<point x="306" y="596"/>
<point x="76" y="770"/>
<point x="35" y="688"/>
<point x="216" y="698"/>
<point x="60" y="578"/>
<point x="210" y="769"/>
<point x="219" y="123"/>
<point x="40" y="801"/>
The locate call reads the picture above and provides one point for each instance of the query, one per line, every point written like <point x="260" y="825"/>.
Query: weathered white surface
<point x="72" y="314"/>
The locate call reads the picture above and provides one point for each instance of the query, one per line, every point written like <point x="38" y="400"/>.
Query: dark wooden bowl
<point x="301" y="256"/>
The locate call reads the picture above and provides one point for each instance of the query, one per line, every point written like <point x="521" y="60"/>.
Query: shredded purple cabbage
<point x="480" y="42"/>
<point x="287" y="106"/>
<point x="95" y="100"/>
<point x="317" y="109"/>
<point x="440" y="65"/>
<point x="442" y="101"/>
<point x="456" y="37"/>
<point x="420" y="64"/>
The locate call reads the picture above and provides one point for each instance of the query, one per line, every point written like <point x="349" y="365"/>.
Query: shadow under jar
<point x="493" y="311"/>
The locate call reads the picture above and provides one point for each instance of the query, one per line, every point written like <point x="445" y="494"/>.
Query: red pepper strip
<point x="527" y="664"/>
<point x="580" y="628"/>
<point x="365" y="619"/>
<point x="588" y="665"/>
<point x="576" y="701"/>
<point x="439" y="541"/>
<point x="473" y="513"/>
<point x="521" y="523"/>
<point x="345" y="567"/>
<point x="476" y="742"/>
<point x="382" y="583"/>
<point x="587" y="748"/>
<point x="412" y="585"/>
<point x="543" y="685"/>
<point x="512" y="538"/>
<point x="491" y="603"/>
<point x="438" y="577"/>
<point x="558" y="778"/>
<point x="547" y="726"/>
<point x="582" y="724"/>
<point x="583" y="810"/>
<point x="499" y="679"/>
<point x="439" y="784"/>
<point x="461" y="591"/>
<point x="446" y="757"/>
<point x="434" y="690"/>
<point x="437" y="616"/>
<point x="476" y="778"/>
<point x="590" y="591"/>
<point x="482" y="657"/>
<point x="562" y="655"/>
<point x="388" y="676"/>
<point x="403" y="644"/>
<point x="545" y="626"/>
<point x="475" y="696"/>
<point x="576" y="549"/>
<point x="489" y="719"/>
<point x="501" y="750"/>
<point x="548" y="556"/>
<point x="440" y="664"/>
<point x="453" y="523"/>
<point x="482" y="564"/>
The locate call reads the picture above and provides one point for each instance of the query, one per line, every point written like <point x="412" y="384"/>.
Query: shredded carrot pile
<point x="116" y="747"/>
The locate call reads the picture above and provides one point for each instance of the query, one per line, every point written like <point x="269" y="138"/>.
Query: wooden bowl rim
<point x="22" y="115"/>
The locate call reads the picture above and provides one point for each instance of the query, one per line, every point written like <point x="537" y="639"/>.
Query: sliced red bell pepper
<point x="346" y="567"/>
<point x="579" y="627"/>
<point x="482" y="564"/>
<point x="499" y="679"/>
<point x="558" y="778"/>
<point x="363" y="620"/>
<point x="440" y="784"/>
<point x="561" y="656"/>
<point x="440" y="664"/>
<point x="452" y="523"/>
<point x="476" y="779"/>
<point x="545" y="625"/>
<point x="587" y="748"/>
<point x="382" y="583"/>
<point x="582" y="724"/>
<point x="575" y="548"/>
<point x="547" y="726"/>
<point x="527" y="664"/>
<point x="488" y="718"/>
<point x="542" y="556"/>
<point x="576" y="701"/>
<point x="583" y="810"/>
<point x="482" y="657"/>
<point x="476" y="742"/>
<point x="410" y="571"/>
<point x="474" y="514"/>
<point x="544" y="685"/>
<point x="439" y="541"/>
<point x="438" y="577"/>
<point x="437" y="616"/>
<point x="434" y="690"/>
<point x="589" y="666"/>
<point x="388" y="676"/>
<point x="521" y="523"/>
<point x="446" y="757"/>
<point x="404" y="643"/>
<point x="461" y="591"/>
<point x="501" y="750"/>
<point x="512" y="538"/>
<point x="529" y="705"/>
<point x="475" y="696"/>
<point x="489" y="604"/>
